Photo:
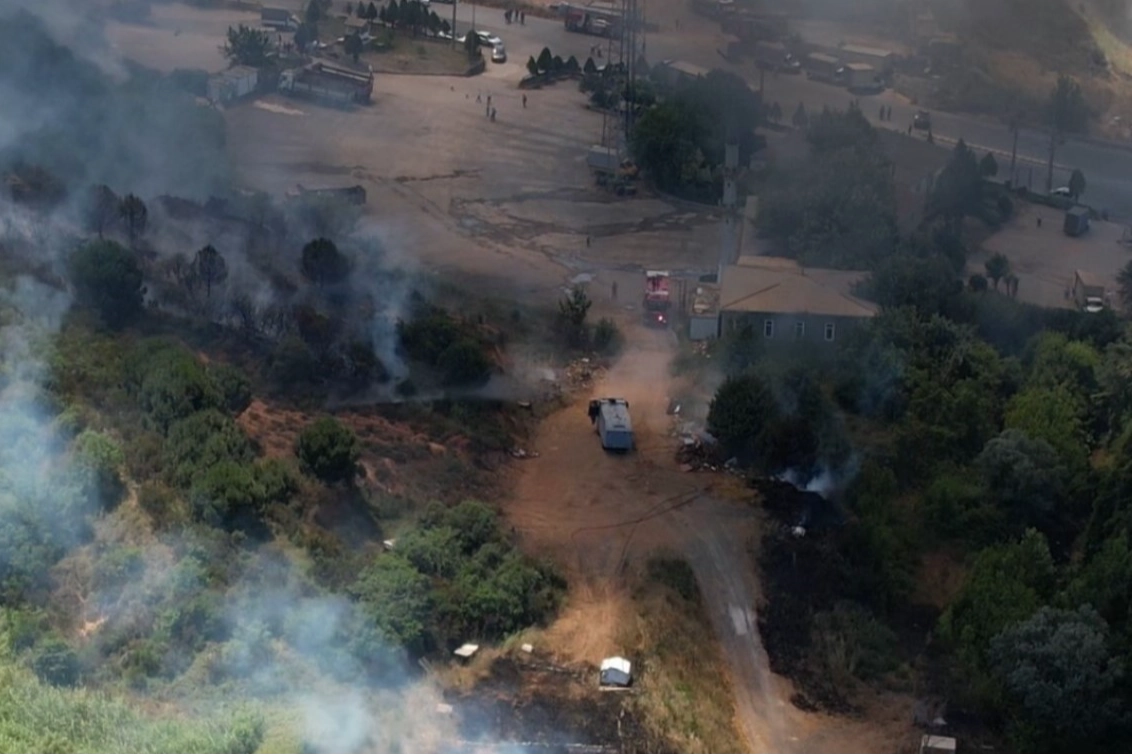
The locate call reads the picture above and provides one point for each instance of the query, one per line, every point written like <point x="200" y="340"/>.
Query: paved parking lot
<point x="1044" y="258"/>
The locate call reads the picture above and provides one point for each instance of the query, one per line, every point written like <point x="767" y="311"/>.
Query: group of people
<point x="489" y="109"/>
<point x="885" y="113"/>
<point x="515" y="15"/>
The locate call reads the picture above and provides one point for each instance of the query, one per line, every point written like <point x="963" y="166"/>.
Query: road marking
<point x="1003" y="153"/>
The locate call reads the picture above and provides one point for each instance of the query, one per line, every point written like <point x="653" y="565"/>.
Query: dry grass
<point x="683" y="690"/>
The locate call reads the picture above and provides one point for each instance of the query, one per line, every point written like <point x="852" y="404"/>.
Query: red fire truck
<point x="657" y="298"/>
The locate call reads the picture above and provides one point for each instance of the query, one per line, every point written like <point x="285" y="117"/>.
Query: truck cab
<point x="657" y="299"/>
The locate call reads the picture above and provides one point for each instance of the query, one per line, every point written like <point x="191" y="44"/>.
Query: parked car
<point x="922" y="120"/>
<point x="1061" y="191"/>
<point x="498" y="54"/>
<point x="487" y="39"/>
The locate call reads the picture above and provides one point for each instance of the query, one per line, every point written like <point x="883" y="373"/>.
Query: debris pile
<point x="582" y="372"/>
<point x="698" y="449"/>
<point x="522" y="453"/>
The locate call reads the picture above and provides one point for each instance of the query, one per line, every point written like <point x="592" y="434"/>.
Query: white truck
<point x="611" y="418"/>
<point x="278" y="18"/>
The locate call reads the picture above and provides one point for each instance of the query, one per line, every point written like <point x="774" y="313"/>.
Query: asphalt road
<point x="1108" y="170"/>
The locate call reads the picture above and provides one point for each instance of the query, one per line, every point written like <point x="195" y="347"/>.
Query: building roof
<point x="773" y="286"/>
<point x="860" y="67"/>
<point x="822" y="57"/>
<point x="872" y="52"/>
<point x="356" y="23"/>
<point x="1089" y="278"/>
<point x="690" y="69"/>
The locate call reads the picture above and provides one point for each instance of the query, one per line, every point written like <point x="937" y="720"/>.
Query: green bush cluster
<point x="454" y="348"/>
<point x="454" y="578"/>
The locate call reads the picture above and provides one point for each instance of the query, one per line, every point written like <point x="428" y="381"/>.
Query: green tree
<point x="472" y="45"/>
<point x="398" y="599"/>
<point x="532" y="66"/>
<point x="572" y="312"/>
<point x="233" y="385"/>
<point x="545" y="60"/>
<point x="247" y="46"/>
<point x="1006" y="585"/>
<point x="353" y="46"/>
<point x="371" y="10"/>
<point x="101" y="459"/>
<point x="988" y="166"/>
<point x="108" y="279"/>
<point x="664" y="143"/>
<point x="328" y="450"/>
<point x="997" y="267"/>
<point x="101" y="209"/>
<point x="1024" y="476"/>
<point x="210" y="267"/>
<point x="1076" y="184"/>
<point x="464" y="362"/>
<point x="740" y="410"/>
<point x="1062" y="680"/>
<point x="314" y="12"/>
<point x="174" y="387"/>
<point x="322" y="264"/>
<point x="56" y="663"/>
<point x="800" y="119"/>
<point x="200" y="442"/>
<point x="135" y="215"/>
<point x="1105" y="581"/>
<point x="224" y="491"/>
<point x="961" y="191"/>
<point x="1052" y="415"/>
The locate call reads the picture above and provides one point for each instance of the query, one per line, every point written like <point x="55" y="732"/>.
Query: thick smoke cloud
<point x="93" y="118"/>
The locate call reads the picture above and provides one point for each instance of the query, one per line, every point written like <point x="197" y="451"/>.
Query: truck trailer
<point x="279" y="18"/>
<point x="1088" y="291"/>
<point x="821" y="67"/>
<point x="599" y="20"/>
<point x="333" y="83"/>
<point x="611" y="418"/>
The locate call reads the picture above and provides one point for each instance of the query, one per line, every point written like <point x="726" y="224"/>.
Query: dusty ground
<point x="597" y="514"/>
<point x="1044" y="259"/>
<point x="508" y="206"/>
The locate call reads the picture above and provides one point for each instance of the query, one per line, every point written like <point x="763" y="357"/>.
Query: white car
<point x="498" y="54"/>
<point x="1061" y="191"/>
<point x="1094" y="304"/>
<point x="487" y="39"/>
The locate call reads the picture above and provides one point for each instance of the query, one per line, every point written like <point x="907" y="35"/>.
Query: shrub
<point x="233" y="385"/>
<point x="202" y="441"/>
<point x="464" y="362"/>
<point x="99" y="458"/>
<point x="175" y="384"/>
<point x="107" y="278"/>
<point x="398" y="599"/>
<point x="55" y="663"/>
<point x="224" y="491"/>
<point x="328" y="450"/>
<point x="607" y="338"/>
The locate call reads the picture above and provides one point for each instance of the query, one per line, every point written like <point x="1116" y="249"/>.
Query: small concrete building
<point x="702" y="309"/>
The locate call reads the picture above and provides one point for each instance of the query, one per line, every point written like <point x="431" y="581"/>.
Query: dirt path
<point x="595" y="513"/>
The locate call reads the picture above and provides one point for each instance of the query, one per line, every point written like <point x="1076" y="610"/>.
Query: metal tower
<point x="623" y="50"/>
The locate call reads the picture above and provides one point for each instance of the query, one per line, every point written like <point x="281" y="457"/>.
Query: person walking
<point x="524" y="102"/>
<point x="614" y="289"/>
<point x="493" y="115"/>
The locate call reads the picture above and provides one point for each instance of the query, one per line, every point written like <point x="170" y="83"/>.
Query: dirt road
<point x="596" y="512"/>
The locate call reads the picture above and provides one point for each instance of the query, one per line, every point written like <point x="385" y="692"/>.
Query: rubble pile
<point x="698" y="449"/>
<point x="582" y="372"/>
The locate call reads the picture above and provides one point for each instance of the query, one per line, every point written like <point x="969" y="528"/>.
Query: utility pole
<point x="473" y="15"/>
<point x="1014" y="126"/>
<point x="728" y="237"/>
<point x="454" y="2"/>
<point x="1052" y="150"/>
